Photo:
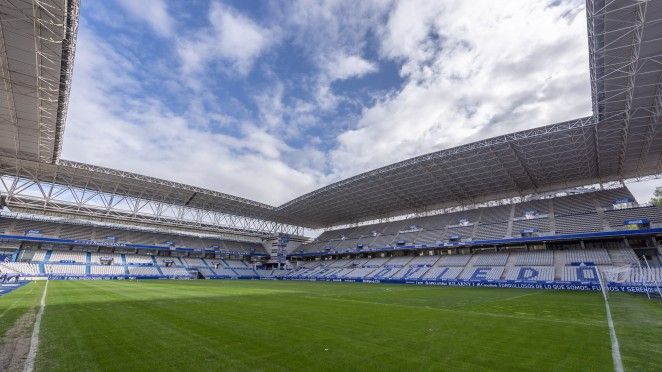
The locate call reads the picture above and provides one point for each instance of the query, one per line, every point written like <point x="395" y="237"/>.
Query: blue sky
<point x="269" y="99"/>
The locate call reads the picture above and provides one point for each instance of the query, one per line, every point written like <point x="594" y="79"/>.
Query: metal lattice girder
<point x="37" y="44"/>
<point x="25" y="192"/>
<point x="625" y="52"/>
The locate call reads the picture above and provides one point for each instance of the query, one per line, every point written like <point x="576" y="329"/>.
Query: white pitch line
<point x="615" y="349"/>
<point x="34" y="340"/>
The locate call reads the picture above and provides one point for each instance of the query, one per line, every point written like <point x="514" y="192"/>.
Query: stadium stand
<point x="194" y="262"/>
<point x="349" y="253"/>
<point x="107" y="270"/>
<point x="224" y="272"/>
<point x="645" y="275"/>
<point x="174" y="271"/>
<point x="594" y="256"/>
<point x="589" y="211"/>
<point x="138" y="259"/>
<point x="491" y="259"/>
<point x="501" y="194"/>
<point x="60" y="256"/>
<point x="86" y="231"/>
<point x="580" y="273"/>
<point x="23" y="268"/>
<point x="143" y="271"/>
<point x="39" y="256"/>
<point x="442" y="273"/>
<point x="95" y="258"/>
<point x="69" y="270"/>
<point x="535" y="258"/>
<point x="482" y="273"/>
<point x="454" y="260"/>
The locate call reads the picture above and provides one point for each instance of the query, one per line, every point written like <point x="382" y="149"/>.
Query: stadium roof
<point x="37" y="44"/>
<point x="621" y="140"/>
<point x="117" y="182"/>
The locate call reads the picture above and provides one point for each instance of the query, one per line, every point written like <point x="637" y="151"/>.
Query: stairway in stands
<point x="468" y="268"/>
<point x="559" y="264"/>
<point x="510" y="263"/>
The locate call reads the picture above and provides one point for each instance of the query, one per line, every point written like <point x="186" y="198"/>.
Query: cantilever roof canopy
<point x="622" y="140"/>
<point x="625" y="52"/>
<point x="544" y="159"/>
<point x="117" y="182"/>
<point x="37" y="43"/>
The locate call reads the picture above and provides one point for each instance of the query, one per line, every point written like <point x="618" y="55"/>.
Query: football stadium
<point x="524" y="251"/>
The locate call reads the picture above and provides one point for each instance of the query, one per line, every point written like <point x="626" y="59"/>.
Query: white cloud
<point x="344" y="67"/>
<point x="643" y="191"/>
<point x="106" y="126"/>
<point x="153" y="12"/>
<point x="524" y="66"/>
<point x="233" y="38"/>
<point x="333" y="35"/>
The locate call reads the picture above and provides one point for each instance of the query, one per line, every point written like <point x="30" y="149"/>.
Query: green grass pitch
<point x="281" y="325"/>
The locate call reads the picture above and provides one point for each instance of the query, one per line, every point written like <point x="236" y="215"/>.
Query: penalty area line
<point x="34" y="340"/>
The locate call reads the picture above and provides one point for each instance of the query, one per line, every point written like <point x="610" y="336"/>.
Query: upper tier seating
<point x="491" y="231"/>
<point x="495" y="214"/>
<point x="578" y="223"/>
<point x="606" y="198"/>
<point x="541" y="207"/>
<point x="574" y="204"/>
<point x="80" y="230"/>
<point x="541" y="226"/>
<point x="432" y="236"/>
<point x="34" y="227"/>
<point x="617" y="217"/>
<point x="572" y="214"/>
